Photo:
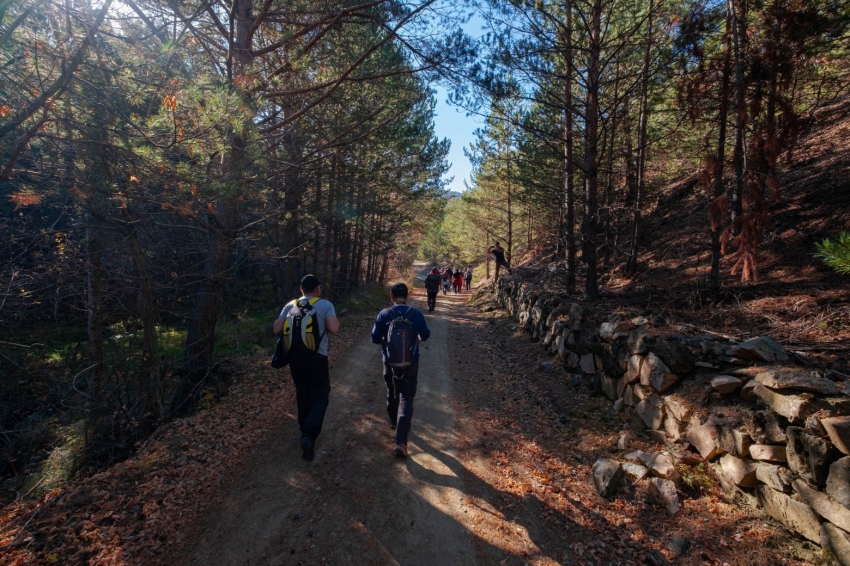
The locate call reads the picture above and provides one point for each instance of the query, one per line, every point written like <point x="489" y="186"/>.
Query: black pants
<point x="400" y="394"/>
<point x="502" y="263"/>
<point x="432" y="299"/>
<point x="468" y="282"/>
<point x="312" y="387"/>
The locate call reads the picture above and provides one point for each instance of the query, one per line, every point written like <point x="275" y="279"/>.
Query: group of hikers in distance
<point x="303" y="326"/>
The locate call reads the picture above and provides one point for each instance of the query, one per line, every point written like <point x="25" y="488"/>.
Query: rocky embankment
<point x="772" y="430"/>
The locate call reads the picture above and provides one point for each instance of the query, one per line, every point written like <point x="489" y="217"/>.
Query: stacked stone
<point x="769" y="428"/>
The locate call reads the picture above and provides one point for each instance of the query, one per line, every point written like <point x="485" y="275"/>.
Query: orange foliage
<point x="25" y="198"/>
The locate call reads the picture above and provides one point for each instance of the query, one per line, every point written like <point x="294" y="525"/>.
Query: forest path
<point x="356" y="504"/>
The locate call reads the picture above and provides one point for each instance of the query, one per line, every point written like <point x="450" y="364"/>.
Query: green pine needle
<point x="836" y="253"/>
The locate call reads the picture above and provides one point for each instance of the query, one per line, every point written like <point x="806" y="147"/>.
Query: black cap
<point x="309" y="283"/>
<point x="398" y="290"/>
<point x="496" y="244"/>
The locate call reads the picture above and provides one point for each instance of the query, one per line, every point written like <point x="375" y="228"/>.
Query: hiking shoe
<point x="401" y="450"/>
<point x="308" y="448"/>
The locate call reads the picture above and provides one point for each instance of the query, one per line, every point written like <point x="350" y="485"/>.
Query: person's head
<point x="496" y="244"/>
<point x="435" y="270"/>
<point x="310" y="285"/>
<point x="398" y="292"/>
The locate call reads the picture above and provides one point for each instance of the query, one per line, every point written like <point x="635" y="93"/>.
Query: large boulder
<point x="606" y="476"/>
<point x="780" y="378"/>
<point x="704" y="434"/>
<point x="679" y="407"/>
<point x="725" y="384"/>
<point x="824" y="505"/>
<point x="837" y="542"/>
<point x="794" y="407"/>
<point x="635" y="471"/>
<point x="588" y="364"/>
<point x="575" y="316"/>
<point x="762" y="349"/>
<point x="794" y="514"/>
<point x="655" y="373"/>
<point x="740" y="472"/>
<point x="769" y="428"/>
<point x="768" y="453"/>
<point x="664" y="491"/>
<point x="651" y="411"/>
<point x="838" y="429"/>
<point x="838" y="482"/>
<point x="608" y="330"/>
<point x="734" y="440"/>
<point x="809" y="456"/>
<point x="640" y="341"/>
<point x="674" y="428"/>
<point x="676" y="355"/>
<point x="776" y="477"/>
<point x="634" y="367"/>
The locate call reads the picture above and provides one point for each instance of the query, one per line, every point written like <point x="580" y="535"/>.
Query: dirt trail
<point x="355" y="503"/>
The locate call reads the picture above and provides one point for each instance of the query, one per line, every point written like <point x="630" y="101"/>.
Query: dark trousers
<point x="468" y="282"/>
<point x="312" y="387"/>
<point x="432" y="299"/>
<point x="502" y="263"/>
<point x="400" y="393"/>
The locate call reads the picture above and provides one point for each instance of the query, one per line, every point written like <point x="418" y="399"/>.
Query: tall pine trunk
<point x="716" y="214"/>
<point x="569" y="166"/>
<point x="642" y="146"/>
<point x="590" y="220"/>
<point x="740" y="152"/>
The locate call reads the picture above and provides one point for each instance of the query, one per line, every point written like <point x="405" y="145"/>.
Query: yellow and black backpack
<point x="301" y="337"/>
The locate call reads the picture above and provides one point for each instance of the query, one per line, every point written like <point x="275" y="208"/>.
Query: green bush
<point x="836" y="253"/>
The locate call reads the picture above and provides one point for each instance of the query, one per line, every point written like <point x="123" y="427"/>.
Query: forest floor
<point x="498" y="473"/>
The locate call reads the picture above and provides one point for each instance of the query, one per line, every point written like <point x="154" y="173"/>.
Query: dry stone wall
<point x="767" y="426"/>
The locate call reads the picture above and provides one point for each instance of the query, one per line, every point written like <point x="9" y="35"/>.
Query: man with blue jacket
<point x="401" y="383"/>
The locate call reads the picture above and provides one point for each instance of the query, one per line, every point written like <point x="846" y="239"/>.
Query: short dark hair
<point x="309" y="283"/>
<point x="399" y="290"/>
<point x="497" y="243"/>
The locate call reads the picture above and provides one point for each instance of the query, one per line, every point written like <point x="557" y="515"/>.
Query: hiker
<point x="305" y="323"/>
<point x="467" y="277"/>
<point x="457" y="281"/>
<point x="446" y="279"/>
<point x="498" y="253"/>
<point x="399" y="329"/>
<point x="432" y="287"/>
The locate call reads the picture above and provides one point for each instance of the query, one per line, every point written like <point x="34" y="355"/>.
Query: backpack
<point x="432" y="282"/>
<point x="401" y="340"/>
<point x="301" y="337"/>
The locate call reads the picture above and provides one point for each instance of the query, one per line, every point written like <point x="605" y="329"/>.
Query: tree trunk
<point x="714" y="278"/>
<point x="591" y="164"/>
<point x="94" y="306"/>
<point x="224" y="217"/>
<point x="740" y="152"/>
<point x="569" y="167"/>
<point x="149" y="386"/>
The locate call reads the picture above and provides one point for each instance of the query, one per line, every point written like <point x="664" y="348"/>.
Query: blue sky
<point x="453" y="123"/>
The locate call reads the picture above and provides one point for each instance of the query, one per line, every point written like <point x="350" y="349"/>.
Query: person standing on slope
<point x="399" y="329"/>
<point x="305" y="323"/>
<point x="467" y="277"/>
<point x="432" y="288"/>
<point x="498" y="253"/>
